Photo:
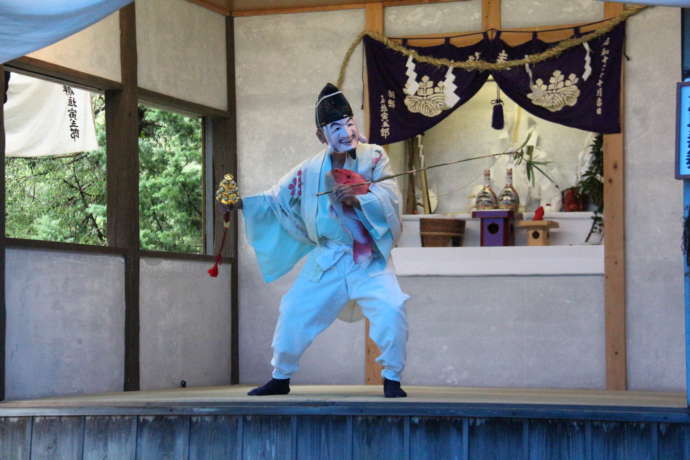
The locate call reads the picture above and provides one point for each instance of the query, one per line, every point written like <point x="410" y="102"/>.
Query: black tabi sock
<point x="272" y="387"/>
<point x="391" y="389"/>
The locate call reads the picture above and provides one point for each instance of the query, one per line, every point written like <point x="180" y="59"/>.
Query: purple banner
<point x="580" y="88"/>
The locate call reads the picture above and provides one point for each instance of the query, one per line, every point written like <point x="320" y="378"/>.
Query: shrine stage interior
<point x="351" y="422"/>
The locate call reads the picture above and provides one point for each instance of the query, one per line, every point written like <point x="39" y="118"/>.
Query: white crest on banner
<point x="47" y="119"/>
<point x="588" y="62"/>
<point x="411" y="86"/>
<point x="427" y="97"/>
<point x="449" y="88"/>
<point x="558" y="94"/>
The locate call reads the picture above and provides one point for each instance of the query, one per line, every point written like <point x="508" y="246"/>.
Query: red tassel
<point x="213" y="271"/>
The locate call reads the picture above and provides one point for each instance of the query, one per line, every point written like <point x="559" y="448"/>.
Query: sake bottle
<point x="486" y="198"/>
<point x="509" y="198"/>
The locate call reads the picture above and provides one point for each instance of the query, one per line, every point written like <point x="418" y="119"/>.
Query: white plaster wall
<point x="95" y="50"/>
<point x="282" y="62"/>
<point x="656" y="359"/>
<point x="65" y="323"/>
<point x="463" y="16"/>
<point x="185" y="324"/>
<point x="505" y="331"/>
<point x="182" y="52"/>
<point x="527" y="13"/>
<point x="275" y="125"/>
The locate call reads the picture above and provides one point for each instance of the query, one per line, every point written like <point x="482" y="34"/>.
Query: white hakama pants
<point x="314" y="302"/>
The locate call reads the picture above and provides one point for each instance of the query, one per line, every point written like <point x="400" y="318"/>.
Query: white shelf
<point x="574" y="227"/>
<point x="500" y="261"/>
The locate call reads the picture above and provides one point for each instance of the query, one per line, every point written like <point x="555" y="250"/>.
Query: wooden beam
<point x="388" y="3"/>
<point x="374" y="22"/>
<point x="512" y="36"/>
<point x="165" y="102"/>
<point x="302" y="9"/>
<point x="234" y="232"/>
<point x="122" y="127"/>
<point x="614" y="246"/>
<point x="224" y="10"/>
<point x="42" y="245"/>
<point x="3" y="305"/>
<point x="373" y="17"/>
<point x="491" y="14"/>
<point x="332" y="7"/>
<point x="465" y="40"/>
<point x="209" y="258"/>
<point x="59" y="74"/>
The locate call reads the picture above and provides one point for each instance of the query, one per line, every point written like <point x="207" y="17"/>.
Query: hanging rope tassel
<point x="213" y="271"/>
<point x="497" y="121"/>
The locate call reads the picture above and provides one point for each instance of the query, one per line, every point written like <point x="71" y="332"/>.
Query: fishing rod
<point x="518" y="156"/>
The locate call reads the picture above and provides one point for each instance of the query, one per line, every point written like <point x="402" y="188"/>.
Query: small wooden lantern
<point x="497" y="227"/>
<point x="538" y="231"/>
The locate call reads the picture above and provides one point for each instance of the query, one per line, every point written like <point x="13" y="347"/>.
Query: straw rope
<point x="485" y="65"/>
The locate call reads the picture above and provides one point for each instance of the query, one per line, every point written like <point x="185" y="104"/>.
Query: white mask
<point x="341" y="135"/>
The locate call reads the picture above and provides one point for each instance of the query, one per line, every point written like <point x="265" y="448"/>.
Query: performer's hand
<point x="345" y="195"/>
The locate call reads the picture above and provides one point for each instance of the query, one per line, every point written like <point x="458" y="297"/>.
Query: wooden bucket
<point x="441" y="232"/>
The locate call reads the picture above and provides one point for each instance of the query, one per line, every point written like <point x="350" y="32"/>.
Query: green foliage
<point x="64" y="199"/>
<point x="170" y="190"/>
<point x="591" y="184"/>
<point x="524" y="153"/>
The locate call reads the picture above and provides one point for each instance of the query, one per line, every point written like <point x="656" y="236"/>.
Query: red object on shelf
<point x="539" y="213"/>
<point x="573" y="201"/>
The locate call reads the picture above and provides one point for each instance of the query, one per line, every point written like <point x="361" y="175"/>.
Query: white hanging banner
<point x="29" y="25"/>
<point x="47" y="119"/>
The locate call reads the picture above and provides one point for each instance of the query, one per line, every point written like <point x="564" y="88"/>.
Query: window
<point x="55" y="162"/>
<point x="171" y="198"/>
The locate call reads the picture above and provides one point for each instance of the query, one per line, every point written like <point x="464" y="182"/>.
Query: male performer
<point x="347" y="236"/>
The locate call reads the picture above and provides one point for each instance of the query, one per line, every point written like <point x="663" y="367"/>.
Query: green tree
<point x="170" y="192"/>
<point x="59" y="199"/>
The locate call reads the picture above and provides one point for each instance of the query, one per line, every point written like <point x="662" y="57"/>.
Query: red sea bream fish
<point x="362" y="242"/>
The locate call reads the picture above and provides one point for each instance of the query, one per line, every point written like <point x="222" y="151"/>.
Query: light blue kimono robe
<point x="289" y="221"/>
<point x="281" y="224"/>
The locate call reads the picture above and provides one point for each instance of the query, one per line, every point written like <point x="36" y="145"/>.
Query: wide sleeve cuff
<point x="276" y="250"/>
<point x="372" y="215"/>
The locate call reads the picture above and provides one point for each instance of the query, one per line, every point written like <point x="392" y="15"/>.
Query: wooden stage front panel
<point x="350" y="423"/>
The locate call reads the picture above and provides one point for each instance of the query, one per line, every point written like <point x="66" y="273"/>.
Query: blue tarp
<point x="29" y="25"/>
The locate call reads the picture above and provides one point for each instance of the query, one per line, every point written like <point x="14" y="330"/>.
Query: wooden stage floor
<point x="362" y="399"/>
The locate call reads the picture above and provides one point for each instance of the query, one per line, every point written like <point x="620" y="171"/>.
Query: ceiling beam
<point x="225" y="7"/>
<point x="216" y="8"/>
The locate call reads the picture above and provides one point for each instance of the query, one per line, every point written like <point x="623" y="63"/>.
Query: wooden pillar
<point x="374" y="20"/>
<point x="3" y="306"/>
<point x="491" y="14"/>
<point x="122" y="125"/>
<point x="614" y="246"/>
<point x="224" y="133"/>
